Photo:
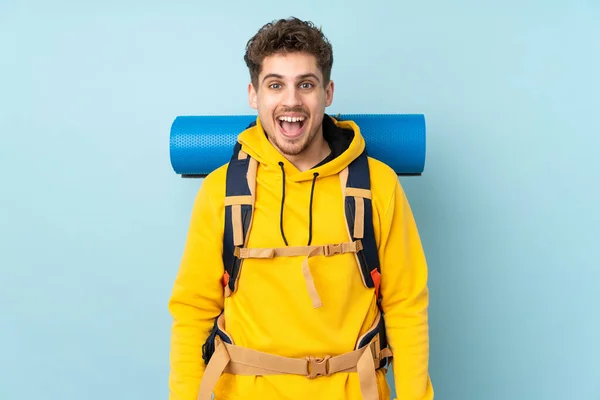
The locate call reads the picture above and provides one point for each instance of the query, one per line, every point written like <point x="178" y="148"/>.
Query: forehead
<point x="290" y="65"/>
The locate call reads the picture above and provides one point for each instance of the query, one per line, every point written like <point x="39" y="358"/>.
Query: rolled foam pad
<point x="201" y="144"/>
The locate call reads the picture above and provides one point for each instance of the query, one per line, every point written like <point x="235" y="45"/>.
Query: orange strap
<point x="376" y="276"/>
<point x="225" y="278"/>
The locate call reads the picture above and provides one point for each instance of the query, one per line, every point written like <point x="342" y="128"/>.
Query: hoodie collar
<point x="344" y="139"/>
<point x="337" y="138"/>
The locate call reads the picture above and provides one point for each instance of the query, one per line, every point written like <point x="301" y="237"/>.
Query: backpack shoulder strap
<point x="239" y="205"/>
<point x="356" y="184"/>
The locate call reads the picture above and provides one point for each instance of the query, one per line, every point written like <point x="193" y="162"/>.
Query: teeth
<point x="290" y="119"/>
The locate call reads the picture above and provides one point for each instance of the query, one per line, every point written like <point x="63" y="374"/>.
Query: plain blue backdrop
<point x="93" y="219"/>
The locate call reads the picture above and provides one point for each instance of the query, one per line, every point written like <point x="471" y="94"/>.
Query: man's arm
<point x="197" y="297"/>
<point x="405" y="299"/>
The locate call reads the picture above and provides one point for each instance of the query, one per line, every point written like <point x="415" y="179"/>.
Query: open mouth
<point x="291" y="127"/>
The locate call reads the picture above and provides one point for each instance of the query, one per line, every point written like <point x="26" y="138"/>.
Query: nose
<point x="292" y="97"/>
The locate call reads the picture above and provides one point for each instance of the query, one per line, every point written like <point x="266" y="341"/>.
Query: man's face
<point x="291" y="98"/>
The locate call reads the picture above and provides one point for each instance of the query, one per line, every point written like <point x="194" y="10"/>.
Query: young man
<point x="298" y="318"/>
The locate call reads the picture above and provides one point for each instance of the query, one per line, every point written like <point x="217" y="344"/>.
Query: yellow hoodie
<point x="271" y="311"/>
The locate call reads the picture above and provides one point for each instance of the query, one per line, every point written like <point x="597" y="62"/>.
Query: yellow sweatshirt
<point x="271" y="311"/>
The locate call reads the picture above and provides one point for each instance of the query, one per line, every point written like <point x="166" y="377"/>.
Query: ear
<point x="329" y="93"/>
<point x="252" y="96"/>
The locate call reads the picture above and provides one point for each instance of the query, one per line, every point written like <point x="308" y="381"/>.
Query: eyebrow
<point x="311" y="75"/>
<point x="303" y="76"/>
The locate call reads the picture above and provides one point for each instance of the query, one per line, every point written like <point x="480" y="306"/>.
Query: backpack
<point x="239" y="203"/>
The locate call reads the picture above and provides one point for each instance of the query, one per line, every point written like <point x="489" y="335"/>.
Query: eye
<point x="275" y="86"/>
<point x="306" y="85"/>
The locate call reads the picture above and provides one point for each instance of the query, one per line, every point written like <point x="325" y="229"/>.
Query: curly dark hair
<point x="288" y="35"/>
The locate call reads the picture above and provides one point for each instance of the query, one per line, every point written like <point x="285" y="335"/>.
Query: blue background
<point x="93" y="219"/>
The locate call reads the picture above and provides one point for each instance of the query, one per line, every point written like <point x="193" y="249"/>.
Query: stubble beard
<point x="292" y="148"/>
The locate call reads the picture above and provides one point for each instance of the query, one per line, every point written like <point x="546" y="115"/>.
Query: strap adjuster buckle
<point x="359" y="245"/>
<point x="316" y="367"/>
<point x="332" y="249"/>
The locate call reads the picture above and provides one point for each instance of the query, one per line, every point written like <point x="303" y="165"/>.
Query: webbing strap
<point x="355" y="192"/>
<point x="313" y="293"/>
<point x="243" y="361"/>
<point x="322" y="250"/>
<point x="359" y="217"/>
<point x="308" y="251"/>
<point x="238" y="200"/>
<point x="367" y="376"/>
<point x="386" y="353"/>
<point x="242" y="155"/>
<point x="213" y="371"/>
<point x="236" y="220"/>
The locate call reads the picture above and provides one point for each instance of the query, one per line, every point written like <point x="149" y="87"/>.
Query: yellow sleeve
<point x="405" y="299"/>
<point x="197" y="296"/>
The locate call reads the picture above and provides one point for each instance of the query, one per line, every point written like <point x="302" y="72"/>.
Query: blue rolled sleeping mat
<point x="201" y="144"/>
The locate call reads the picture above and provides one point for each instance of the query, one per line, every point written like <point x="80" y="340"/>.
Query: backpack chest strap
<point x="293" y="251"/>
<point x="308" y="251"/>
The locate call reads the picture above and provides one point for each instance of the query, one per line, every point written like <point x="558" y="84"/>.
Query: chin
<point x="290" y="148"/>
